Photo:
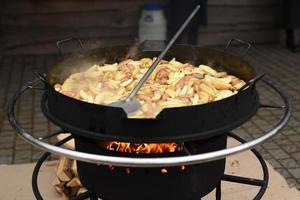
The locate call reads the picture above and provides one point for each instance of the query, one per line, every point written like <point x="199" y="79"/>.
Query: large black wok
<point x="172" y="124"/>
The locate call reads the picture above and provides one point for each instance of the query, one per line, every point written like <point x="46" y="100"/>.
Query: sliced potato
<point x="126" y="83"/>
<point x="239" y="85"/>
<point x="86" y="97"/>
<point x="207" y="89"/>
<point x="195" y="100"/>
<point x="204" y="97"/>
<point x="219" y="84"/>
<point x="109" y="68"/>
<point x="208" y="70"/>
<point x="171" y="84"/>
<point x="222" y="94"/>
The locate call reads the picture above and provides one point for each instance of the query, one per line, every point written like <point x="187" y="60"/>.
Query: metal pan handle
<point x="252" y="81"/>
<point x="39" y="75"/>
<point x="245" y="53"/>
<point x="40" y="78"/>
<point x="60" y="42"/>
<point x="241" y="42"/>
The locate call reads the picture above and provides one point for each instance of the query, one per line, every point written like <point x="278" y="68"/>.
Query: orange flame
<point x="143" y="148"/>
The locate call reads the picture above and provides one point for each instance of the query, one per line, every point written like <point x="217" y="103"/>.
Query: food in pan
<point x="172" y="84"/>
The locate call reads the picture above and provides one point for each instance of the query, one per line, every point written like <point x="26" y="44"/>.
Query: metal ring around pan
<point x="146" y="162"/>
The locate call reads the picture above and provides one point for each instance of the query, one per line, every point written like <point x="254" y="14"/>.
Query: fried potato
<point x="126" y="83"/>
<point x="172" y="84"/>
<point x="86" y="97"/>
<point x="109" y="68"/>
<point x="219" y="84"/>
<point x="208" y="70"/>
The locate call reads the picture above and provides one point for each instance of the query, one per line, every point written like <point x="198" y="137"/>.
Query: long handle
<point x="156" y="62"/>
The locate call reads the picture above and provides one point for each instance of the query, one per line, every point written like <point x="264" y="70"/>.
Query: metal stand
<point x="248" y="181"/>
<point x="150" y="162"/>
<point x="147" y="162"/>
<point x="229" y="178"/>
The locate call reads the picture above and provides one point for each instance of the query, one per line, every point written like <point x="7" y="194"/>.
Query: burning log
<point x="67" y="182"/>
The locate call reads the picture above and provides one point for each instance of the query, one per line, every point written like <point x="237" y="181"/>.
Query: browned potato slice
<point x="220" y="85"/>
<point x="207" y="89"/>
<point x="172" y="84"/>
<point x="208" y="70"/>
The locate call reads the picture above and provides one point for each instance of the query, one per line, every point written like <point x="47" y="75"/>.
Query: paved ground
<point x="282" y="66"/>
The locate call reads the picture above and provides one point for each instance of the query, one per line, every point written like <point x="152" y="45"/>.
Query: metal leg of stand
<point x="37" y="167"/>
<point x="218" y="192"/>
<point x="263" y="184"/>
<point x="230" y="178"/>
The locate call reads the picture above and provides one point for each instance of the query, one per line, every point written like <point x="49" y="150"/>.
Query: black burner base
<point x="229" y="178"/>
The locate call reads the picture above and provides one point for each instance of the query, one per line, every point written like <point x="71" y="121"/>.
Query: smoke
<point x="134" y="49"/>
<point x="90" y="56"/>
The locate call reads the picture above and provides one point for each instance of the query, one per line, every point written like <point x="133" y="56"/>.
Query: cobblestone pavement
<point x="282" y="66"/>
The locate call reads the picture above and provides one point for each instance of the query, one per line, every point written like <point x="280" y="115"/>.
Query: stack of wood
<point x="67" y="182"/>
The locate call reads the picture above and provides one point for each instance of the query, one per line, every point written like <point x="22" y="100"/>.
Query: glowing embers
<point x="143" y="148"/>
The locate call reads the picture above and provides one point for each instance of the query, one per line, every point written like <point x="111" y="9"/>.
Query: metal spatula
<point x="131" y="105"/>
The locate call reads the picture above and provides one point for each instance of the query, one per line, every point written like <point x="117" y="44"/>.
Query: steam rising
<point x="133" y="50"/>
<point x="82" y="61"/>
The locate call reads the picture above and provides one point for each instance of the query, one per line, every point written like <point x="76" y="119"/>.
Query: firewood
<point x="81" y="190"/>
<point x="70" y="144"/>
<point x="75" y="182"/>
<point x="74" y="168"/>
<point x="60" y="190"/>
<point x="64" y="170"/>
<point x="65" y="196"/>
<point x="74" y="191"/>
<point x="67" y="182"/>
<point x="56" y="181"/>
<point x="59" y="185"/>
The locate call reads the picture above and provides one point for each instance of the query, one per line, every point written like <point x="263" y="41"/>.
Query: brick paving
<point x="282" y="66"/>
<point x="14" y="71"/>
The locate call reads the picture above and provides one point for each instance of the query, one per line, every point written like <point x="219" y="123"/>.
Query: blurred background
<point x="110" y="22"/>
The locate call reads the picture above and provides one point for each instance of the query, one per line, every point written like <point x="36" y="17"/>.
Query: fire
<point x="144" y="148"/>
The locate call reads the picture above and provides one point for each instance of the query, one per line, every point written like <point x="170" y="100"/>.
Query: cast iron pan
<point x="172" y="124"/>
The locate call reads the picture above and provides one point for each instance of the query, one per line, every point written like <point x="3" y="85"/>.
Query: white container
<point x="152" y="24"/>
